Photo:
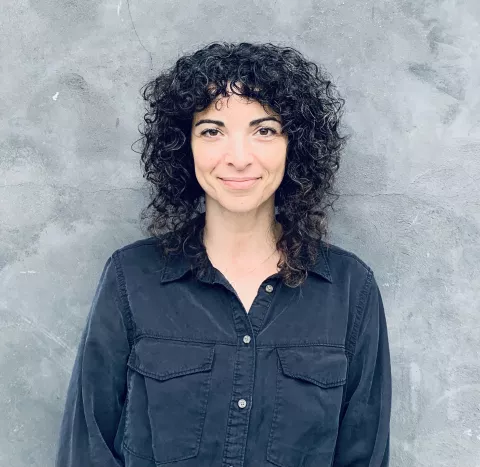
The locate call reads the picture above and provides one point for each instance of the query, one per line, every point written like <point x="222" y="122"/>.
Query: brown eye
<point x="207" y="131"/>
<point x="215" y="131"/>
<point x="274" y="132"/>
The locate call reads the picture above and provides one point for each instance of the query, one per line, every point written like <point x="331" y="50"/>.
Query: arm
<point x="97" y="386"/>
<point x="364" y="432"/>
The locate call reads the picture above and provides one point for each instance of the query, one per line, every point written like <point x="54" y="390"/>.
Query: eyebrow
<point x="252" y="123"/>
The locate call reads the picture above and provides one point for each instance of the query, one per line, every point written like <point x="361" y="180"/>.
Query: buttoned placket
<point x="246" y="326"/>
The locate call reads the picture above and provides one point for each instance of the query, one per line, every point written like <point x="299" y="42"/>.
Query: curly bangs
<point x="277" y="77"/>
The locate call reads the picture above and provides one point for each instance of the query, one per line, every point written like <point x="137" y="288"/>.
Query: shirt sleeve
<point x="97" y="387"/>
<point x="364" y="431"/>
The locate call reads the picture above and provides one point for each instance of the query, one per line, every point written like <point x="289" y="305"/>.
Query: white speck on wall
<point x="55" y="97"/>
<point x="468" y="432"/>
<point x="119" y="6"/>
<point x="28" y="272"/>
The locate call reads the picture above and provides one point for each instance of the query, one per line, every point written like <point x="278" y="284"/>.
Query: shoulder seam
<point x="144" y="241"/>
<point x="351" y="255"/>
<point x="125" y="308"/>
<point x="359" y="313"/>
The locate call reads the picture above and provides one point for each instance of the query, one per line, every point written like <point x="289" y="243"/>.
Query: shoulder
<point x="144" y="254"/>
<point x="339" y="255"/>
<point x="347" y="266"/>
<point x="141" y="244"/>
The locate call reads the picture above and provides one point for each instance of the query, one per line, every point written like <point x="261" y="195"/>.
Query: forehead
<point x="237" y="106"/>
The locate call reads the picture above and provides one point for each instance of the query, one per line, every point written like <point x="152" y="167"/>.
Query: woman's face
<point x="237" y="139"/>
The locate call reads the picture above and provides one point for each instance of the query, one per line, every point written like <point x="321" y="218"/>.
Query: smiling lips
<point x="239" y="183"/>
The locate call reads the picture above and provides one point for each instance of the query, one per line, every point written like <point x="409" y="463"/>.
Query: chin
<point x="236" y="207"/>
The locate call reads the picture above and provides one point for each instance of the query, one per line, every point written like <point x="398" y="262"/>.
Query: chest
<point x="246" y="287"/>
<point x="247" y="292"/>
<point x="197" y="401"/>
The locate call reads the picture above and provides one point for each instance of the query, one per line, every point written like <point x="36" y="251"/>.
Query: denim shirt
<point x="171" y="369"/>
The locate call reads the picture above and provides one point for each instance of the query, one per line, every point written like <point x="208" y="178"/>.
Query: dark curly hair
<point x="277" y="77"/>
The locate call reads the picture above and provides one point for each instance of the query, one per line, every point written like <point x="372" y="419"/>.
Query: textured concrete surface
<point x="71" y="191"/>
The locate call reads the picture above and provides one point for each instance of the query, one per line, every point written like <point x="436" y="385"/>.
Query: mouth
<point x="239" y="183"/>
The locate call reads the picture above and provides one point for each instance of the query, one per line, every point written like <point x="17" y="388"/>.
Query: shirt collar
<point x="177" y="265"/>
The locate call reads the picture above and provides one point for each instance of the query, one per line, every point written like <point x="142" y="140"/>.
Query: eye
<point x="274" y="132"/>
<point x="207" y="131"/>
<point x="216" y="131"/>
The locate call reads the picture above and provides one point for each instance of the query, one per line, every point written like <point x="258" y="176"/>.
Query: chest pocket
<point x="308" y="401"/>
<point x="168" y="388"/>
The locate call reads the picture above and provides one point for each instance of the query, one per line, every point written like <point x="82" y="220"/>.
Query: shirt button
<point x="242" y="403"/>
<point x="269" y="288"/>
<point x="247" y="339"/>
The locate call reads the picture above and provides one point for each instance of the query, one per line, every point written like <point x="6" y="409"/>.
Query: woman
<point x="235" y="335"/>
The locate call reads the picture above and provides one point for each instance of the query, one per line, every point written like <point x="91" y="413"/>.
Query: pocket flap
<point x="319" y="364"/>
<point x="162" y="359"/>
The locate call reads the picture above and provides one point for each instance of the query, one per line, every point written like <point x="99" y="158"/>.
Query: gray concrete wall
<point x="71" y="191"/>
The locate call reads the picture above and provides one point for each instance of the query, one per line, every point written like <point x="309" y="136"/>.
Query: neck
<point x="240" y="239"/>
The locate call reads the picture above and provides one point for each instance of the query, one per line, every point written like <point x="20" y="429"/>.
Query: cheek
<point x="205" y="160"/>
<point x="275" y="163"/>
<point x="205" y="164"/>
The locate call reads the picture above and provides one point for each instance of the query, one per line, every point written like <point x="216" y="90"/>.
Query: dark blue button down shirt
<point x="171" y="370"/>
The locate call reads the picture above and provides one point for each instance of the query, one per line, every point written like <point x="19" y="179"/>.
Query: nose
<point x="239" y="153"/>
